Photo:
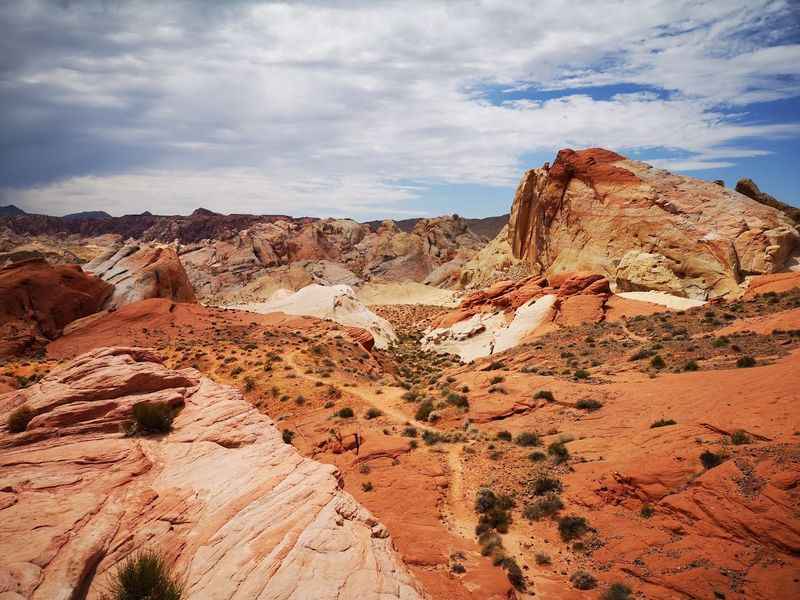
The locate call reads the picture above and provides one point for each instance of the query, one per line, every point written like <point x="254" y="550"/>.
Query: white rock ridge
<point x="335" y="302"/>
<point x="237" y="513"/>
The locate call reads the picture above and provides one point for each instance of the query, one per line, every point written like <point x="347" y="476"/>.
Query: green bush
<point x="457" y="400"/>
<point x="543" y="507"/>
<point x="345" y="413"/>
<point x="537" y="456"/>
<point x="691" y="366"/>
<point x="662" y="423"/>
<point x="287" y="435"/>
<point x="710" y="459"/>
<point x="583" y="580"/>
<point x="504" y="435"/>
<point x="647" y="511"/>
<point x="424" y="411"/>
<point x="373" y="413"/>
<point x="144" y="576"/>
<point x="740" y="437"/>
<point x="746" y="361"/>
<point x="543" y="485"/>
<point x="617" y="591"/>
<point x="589" y="405"/>
<point x="367" y="486"/>
<point x="558" y="451"/>
<point x="657" y="362"/>
<point x="153" y="417"/>
<point x="720" y="342"/>
<point x="542" y="558"/>
<point x="544" y="395"/>
<point x="582" y="374"/>
<point x="527" y="439"/>
<point x="18" y="419"/>
<point x="570" y="528"/>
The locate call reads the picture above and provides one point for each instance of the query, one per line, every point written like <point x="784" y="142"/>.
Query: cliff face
<point x="237" y="513"/>
<point x="644" y="228"/>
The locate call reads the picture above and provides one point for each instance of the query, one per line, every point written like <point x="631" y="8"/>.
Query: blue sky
<point x="382" y="109"/>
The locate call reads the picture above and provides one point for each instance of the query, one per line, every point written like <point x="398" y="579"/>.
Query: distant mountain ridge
<point x="88" y="214"/>
<point x="487" y="227"/>
<point x="11" y="210"/>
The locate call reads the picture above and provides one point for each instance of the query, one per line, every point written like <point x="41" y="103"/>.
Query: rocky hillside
<point x="644" y="228"/>
<point x="236" y="511"/>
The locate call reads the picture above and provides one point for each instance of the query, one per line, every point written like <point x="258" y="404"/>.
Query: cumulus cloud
<point x="354" y="108"/>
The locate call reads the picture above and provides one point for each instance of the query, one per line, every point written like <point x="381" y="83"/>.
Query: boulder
<point x="139" y="272"/>
<point x="644" y="228"/>
<point x="236" y="513"/>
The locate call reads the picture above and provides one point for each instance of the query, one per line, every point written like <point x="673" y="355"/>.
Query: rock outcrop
<point x="237" y="513"/>
<point x="644" y="228"/>
<point x="38" y="300"/>
<point x="335" y="302"/>
<point x="749" y="188"/>
<point x="141" y="272"/>
<point x="511" y="312"/>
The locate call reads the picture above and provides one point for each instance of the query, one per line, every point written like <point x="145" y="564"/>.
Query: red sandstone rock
<point x="37" y="300"/>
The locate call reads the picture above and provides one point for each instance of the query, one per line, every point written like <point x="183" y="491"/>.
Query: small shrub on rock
<point x="589" y="405"/>
<point x="572" y="527"/>
<point x="711" y="459"/>
<point x="617" y="591"/>
<point x="373" y="413"/>
<point x="583" y="581"/>
<point x="287" y="435"/>
<point x="504" y="435"/>
<point x="543" y="507"/>
<point x="544" y="395"/>
<point x="745" y="362"/>
<point x="424" y="411"/>
<point x="527" y="439"/>
<point x="740" y="437"/>
<point x="662" y="423"/>
<point x="18" y="419"/>
<point x="144" y="575"/>
<point x="544" y="484"/>
<point x="558" y="451"/>
<point x="345" y="413"/>
<point x="153" y="417"/>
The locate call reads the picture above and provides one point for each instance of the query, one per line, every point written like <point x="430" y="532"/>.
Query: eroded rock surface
<point x="238" y="513"/>
<point x="37" y="300"/>
<point x="644" y="228"/>
<point x="141" y="272"/>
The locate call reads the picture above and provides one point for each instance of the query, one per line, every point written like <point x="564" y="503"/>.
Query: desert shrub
<point x="720" y="342"/>
<point x="657" y="362"/>
<point x="504" y="435"/>
<point x="489" y="541"/>
<point x="581" y="374"/>
<point x="458" y="568"/>
<point x="641" y="354"/>
<point x="496" y="379"/>
<point x="514" y="573"/>
<point x="18" y="419"/>
<point x="617" y="591"/>
<point x="494" y="518"/>
<point x="373" y="413"/>
<point x="662" y="423"/>
<point x="589" y="405"/>
<point x="153" y="417"/>
<point x="543" y="507"/>
<point x="572" y="527"/>
<point x="583" y="580"/>
<point x="536" y="456"/>
<point x="559" y="452"/>
<point x="367" y="486"/>
<point x="691" y="366"/>
<point x="544" y="395"/>
<point x="287" y="435"/>
<point x="496" y="365"/>
<point x="431" y="437"/>
<point x="543" y="485"/>
<point x="345" y="413"/>
<point x="740" y="437"/>
<point x="745" y="362"/>
<point x="249" y="384"/>
<point x="542" y="558"/>
<point x="424" y="411"/>
<point x="144" y="576"/>
<point x="710" y="459"/>
<point x="410" y="432"/>
<point x="647" y="511"/>
<point x="527" y="439"/>
<point x="457" y="400"/>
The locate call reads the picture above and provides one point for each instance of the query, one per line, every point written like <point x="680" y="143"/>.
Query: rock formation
<point x="510" y="312"/>
<point x="644" y="228"/>
<point x="236" y="512"/>
<point x="749" y="188"/>
<point x="142" y="272"/>
<point x="37" y="300"/>
<point x="336" y="302"/>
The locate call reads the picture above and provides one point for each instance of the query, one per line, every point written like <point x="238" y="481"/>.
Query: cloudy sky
<point x="373" y="109"/>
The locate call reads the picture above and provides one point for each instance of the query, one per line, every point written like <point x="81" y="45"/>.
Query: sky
<point x="382" y="109"/>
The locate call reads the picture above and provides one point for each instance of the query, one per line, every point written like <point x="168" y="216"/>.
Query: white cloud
<point x="325" y="109"/>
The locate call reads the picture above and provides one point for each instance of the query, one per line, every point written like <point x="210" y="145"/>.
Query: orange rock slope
<point x="238" y="513"/>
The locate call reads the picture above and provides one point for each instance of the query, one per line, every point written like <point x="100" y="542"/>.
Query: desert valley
<point x="594" y="396"/>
